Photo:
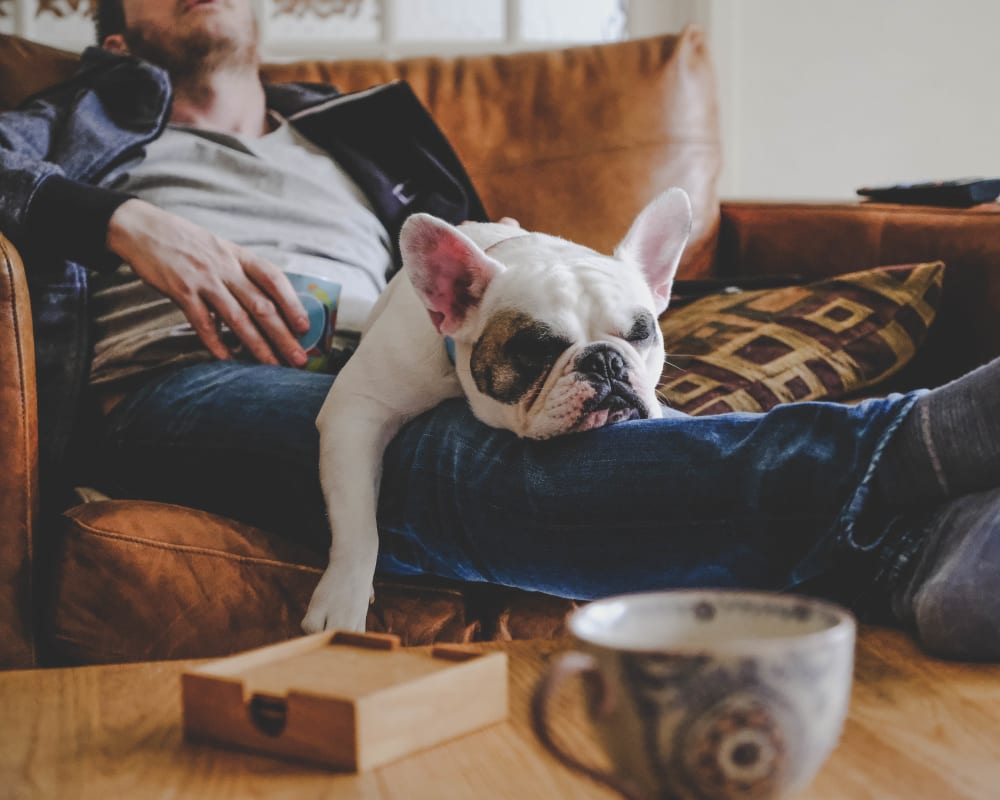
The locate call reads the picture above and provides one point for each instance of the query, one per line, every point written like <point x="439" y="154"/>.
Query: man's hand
<point x="211" y="280"/>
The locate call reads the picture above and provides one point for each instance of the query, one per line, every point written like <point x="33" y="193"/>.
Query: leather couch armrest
<point x="823" y="239"/>
<point x="817" y="239"/>
<point x="18" y="464"/>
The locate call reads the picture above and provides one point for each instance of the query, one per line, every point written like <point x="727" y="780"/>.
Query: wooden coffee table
<point x="918" y="728"/>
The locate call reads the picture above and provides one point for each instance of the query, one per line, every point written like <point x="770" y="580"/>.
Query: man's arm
<point x="44" y="213"/>
<point x="49" y="216"/>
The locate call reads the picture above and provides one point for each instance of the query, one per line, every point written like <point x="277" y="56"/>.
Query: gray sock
<point x="948" y="598"/>
<point x="949" y="445"/>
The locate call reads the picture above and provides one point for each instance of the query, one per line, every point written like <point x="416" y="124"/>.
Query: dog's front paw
<point x="334" y="605"/>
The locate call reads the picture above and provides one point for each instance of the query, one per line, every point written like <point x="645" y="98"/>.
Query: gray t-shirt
<point x="278" y="195"/>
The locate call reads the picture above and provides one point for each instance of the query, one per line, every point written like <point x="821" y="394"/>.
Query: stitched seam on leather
<point x="507" y="166"/>
<point x="847" y="208"/>
<point x="9" y="269"/>
<point x="125" y="657"/>
<point x="186" y="548"/>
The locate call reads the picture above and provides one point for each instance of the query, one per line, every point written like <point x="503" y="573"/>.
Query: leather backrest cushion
<point x="572" y="142"/>
<point x="28" y="67"/>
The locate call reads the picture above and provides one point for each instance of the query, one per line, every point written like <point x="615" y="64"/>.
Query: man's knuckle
<point x="270" y="282"/>
<point x="262" y="307"/>
<point x="240" y="320"/>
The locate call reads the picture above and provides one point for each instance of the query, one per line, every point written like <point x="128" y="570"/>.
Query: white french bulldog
<point x="549" y="337"/>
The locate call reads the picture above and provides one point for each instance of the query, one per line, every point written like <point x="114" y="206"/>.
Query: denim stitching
<point x="928" y="436"/>
<point x="852" y="511"/>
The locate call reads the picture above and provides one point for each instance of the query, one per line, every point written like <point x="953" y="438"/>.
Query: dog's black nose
<point x="603" y="363"/>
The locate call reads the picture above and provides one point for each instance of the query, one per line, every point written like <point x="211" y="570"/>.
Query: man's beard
<point x="191" y="57"/>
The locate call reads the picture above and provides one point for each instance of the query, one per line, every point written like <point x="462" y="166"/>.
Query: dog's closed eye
<point x="535" y="346"/>
<point x="643" y="327"/>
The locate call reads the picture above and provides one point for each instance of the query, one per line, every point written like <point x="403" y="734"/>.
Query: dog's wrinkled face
<point x="566" y="340"/>
<point x="551" y="337"/>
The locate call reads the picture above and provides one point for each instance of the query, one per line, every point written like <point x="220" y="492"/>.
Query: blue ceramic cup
<point x="320" y="298"/>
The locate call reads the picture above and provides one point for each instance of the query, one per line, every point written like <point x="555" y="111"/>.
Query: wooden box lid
<point x="344" y="700"/>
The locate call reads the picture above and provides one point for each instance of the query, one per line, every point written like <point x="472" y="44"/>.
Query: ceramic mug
<point x="706" y="695"/>
<point x="320" y="298"/>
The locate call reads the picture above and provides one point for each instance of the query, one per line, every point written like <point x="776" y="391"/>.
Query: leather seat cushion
<point x="140" y="581"/>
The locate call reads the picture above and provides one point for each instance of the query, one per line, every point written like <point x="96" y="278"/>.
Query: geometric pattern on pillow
<point x="750" y="351"/>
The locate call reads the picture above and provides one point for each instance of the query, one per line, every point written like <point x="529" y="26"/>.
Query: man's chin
<point x="199" y="43"/>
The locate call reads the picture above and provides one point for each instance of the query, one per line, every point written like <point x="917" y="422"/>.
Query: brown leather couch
<point x="571" y="142"/>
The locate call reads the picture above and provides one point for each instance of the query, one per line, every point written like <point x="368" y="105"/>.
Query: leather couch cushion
<point x="181" y="583"/>
<point x="145" y="581"/>
<point x="176" y="582"/>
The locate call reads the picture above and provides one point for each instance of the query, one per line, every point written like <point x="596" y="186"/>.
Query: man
<point x="172" y="111"/>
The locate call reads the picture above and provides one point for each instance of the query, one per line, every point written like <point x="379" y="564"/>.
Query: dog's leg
<point x="388" y="381"/>
<point x="352" y="440"/>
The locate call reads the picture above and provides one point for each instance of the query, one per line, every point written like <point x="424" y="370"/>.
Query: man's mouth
<point x="188" y="5"/>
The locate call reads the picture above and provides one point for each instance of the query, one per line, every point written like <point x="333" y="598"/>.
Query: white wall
<point x="819" y="97"/>
<point x="830" y="96"/>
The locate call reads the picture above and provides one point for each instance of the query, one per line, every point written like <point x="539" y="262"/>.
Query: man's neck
<point x="228" y="101"/>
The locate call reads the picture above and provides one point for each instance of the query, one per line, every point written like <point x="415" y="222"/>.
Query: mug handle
<point x="565" y="666"/>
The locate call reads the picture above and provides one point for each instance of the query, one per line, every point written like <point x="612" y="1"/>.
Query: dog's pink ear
<point x="656" y="241"/>
<point x="448" y="270"/>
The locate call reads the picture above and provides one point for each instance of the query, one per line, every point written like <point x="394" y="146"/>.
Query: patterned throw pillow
<point x="751" y="350"/>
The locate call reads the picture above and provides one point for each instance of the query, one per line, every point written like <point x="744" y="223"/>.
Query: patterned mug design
<point x="703" y="718"/>
<point x="722" y="732"/>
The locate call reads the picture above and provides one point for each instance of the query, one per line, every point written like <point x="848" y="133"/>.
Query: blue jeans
<point x="767" y="501"/>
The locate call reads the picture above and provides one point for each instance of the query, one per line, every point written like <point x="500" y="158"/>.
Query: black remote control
<point x="957" y="194"/>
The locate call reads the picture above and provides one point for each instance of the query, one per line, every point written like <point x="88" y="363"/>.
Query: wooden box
<point x="344" y="700"/>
